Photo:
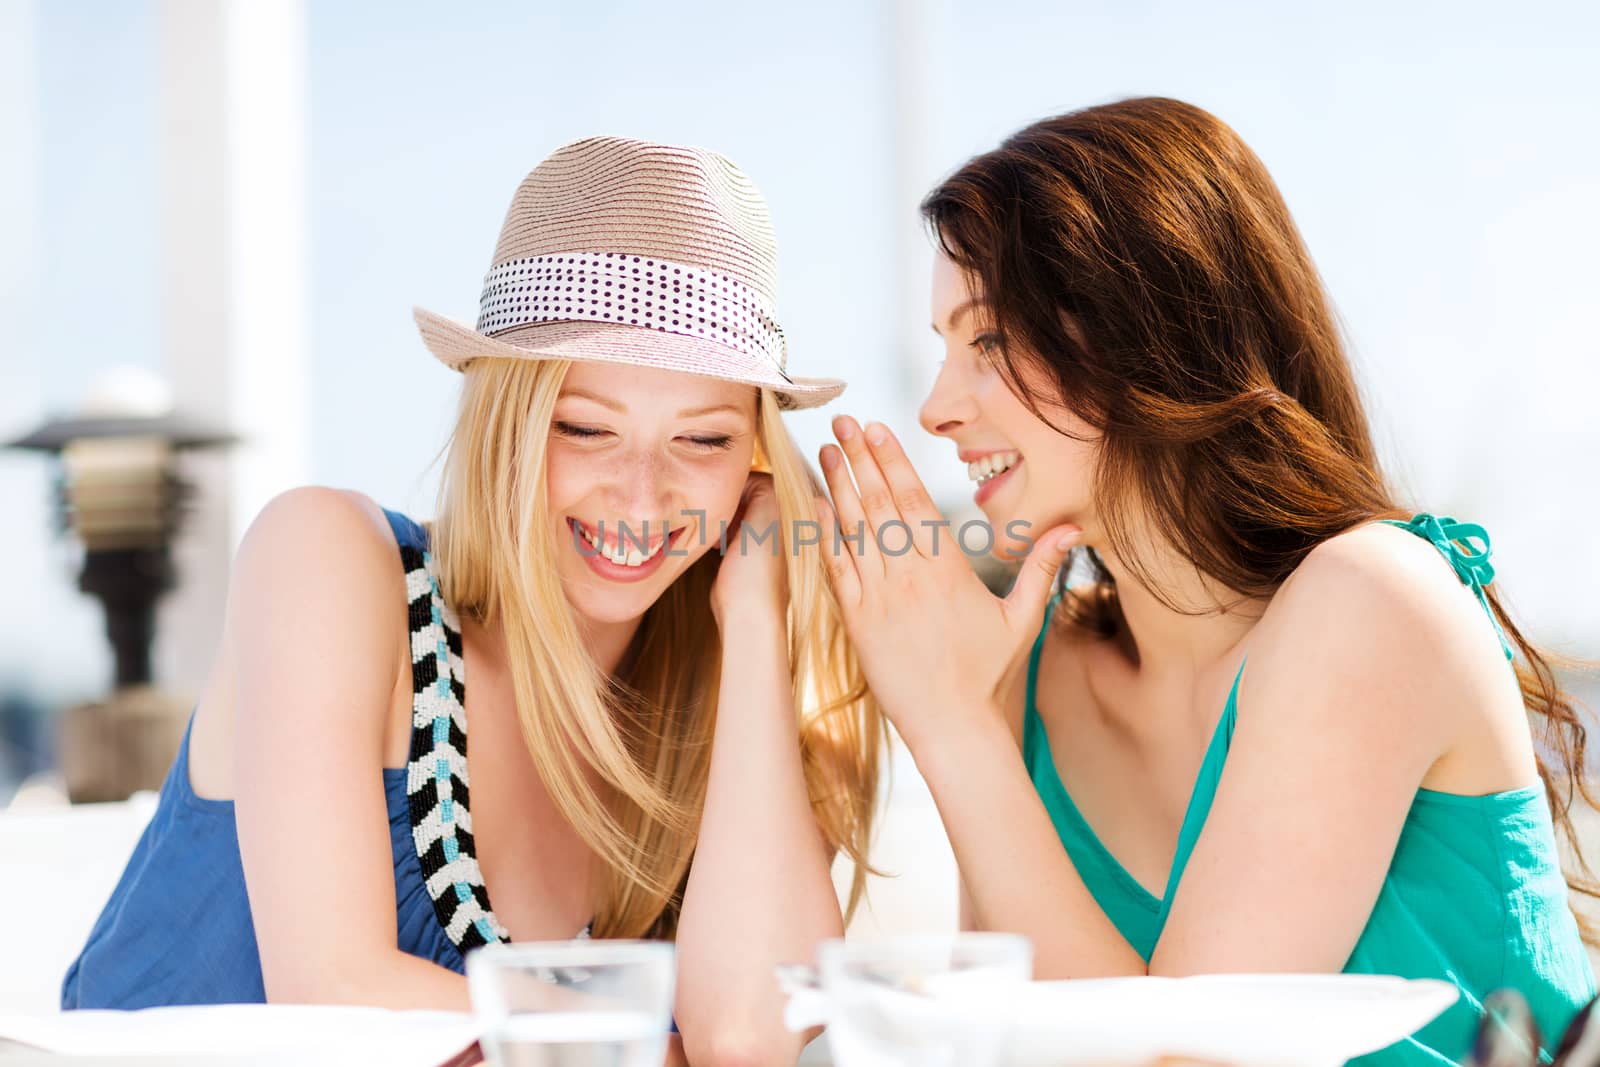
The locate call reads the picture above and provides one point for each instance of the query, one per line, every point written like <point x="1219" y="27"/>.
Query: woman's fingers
<point x="907" y="494"/>
<point x="863" y="550"/>
<point x="838" y="561"/>
<point x="877" y="501"/>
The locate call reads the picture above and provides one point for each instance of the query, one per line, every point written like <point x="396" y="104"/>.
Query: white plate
<point x="1248" y="1020"/>
<point x="277" y="1033"/>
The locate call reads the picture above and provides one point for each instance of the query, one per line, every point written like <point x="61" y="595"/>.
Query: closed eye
<point x="572" y="429"/>
<point x="708" y="443"/>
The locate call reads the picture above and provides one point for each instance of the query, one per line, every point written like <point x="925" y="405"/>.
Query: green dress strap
<point x="1466" y="546"/>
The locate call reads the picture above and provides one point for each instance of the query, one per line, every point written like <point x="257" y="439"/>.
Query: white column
<point x="234" y="295"/>
<point x="19" y="203"/>
<point x="910" y="844"/>
<point x="42" y="642"/>
<point x="910" y="46"/>
<point x="19" y="207"/>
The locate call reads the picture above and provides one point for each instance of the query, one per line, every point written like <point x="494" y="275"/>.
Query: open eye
<point x="986" y="344"/>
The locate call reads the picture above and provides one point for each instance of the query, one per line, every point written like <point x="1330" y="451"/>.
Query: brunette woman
<point x="1275" y="720"/>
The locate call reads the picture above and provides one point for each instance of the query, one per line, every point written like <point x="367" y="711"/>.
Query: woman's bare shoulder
<point x="1382" y="583"/>
<point x="315" y="556"/>
<point x="316" y="604"/>
<point x="326" y="528"/>
<point x="1378" y="615"/>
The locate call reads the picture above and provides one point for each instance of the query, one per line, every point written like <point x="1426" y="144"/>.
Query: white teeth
<point x="631" y="556"/>
<point x="982" y="470"/>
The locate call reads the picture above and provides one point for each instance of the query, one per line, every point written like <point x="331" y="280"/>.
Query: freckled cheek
<point x="714" y="487"/>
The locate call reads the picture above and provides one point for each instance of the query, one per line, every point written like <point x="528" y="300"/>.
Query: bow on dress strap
<point x="1466" y="546"/>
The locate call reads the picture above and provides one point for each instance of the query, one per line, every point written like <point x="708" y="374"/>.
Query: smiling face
<point x="1025" y="469"/>
<point x="634" y="454"/>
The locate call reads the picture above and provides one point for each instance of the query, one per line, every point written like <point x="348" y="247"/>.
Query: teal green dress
<point x="1473" y="896"/>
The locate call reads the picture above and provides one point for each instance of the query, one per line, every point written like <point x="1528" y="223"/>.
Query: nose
<point x="949" y="404"/>
<point x="643" y="489"/>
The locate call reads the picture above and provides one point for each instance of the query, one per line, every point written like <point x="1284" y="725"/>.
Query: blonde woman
<point x="617" y="605"/>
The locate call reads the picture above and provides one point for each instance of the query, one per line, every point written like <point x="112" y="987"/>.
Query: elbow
<point x="1066" y="965"/>
<point x="334" y="982"/>
<point x="309" y="990"/>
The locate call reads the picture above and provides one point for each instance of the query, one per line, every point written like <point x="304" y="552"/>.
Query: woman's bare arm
<point x="759" y="891"/>
<point x="315" y="600"/>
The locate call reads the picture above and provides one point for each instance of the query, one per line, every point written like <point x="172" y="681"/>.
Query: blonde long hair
<point x="647" y="734"/>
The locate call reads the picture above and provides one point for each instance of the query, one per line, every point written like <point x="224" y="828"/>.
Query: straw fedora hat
<point x="624" y="251"/>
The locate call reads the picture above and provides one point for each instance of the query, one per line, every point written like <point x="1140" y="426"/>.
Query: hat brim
<point x="456" y="344"/>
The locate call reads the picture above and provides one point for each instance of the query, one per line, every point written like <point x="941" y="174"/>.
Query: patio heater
<point x="119" y="492"/>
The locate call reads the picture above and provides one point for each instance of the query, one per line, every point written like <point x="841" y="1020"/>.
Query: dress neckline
<point x="1201" y="793"/>
<point x="436" y="775"/>
<point x="1465" y="546"/>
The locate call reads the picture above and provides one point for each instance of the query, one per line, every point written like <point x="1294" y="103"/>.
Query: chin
<point x="608" y="607"/>
<point x="998" y="521"/>
<point x="1030" y="524"/>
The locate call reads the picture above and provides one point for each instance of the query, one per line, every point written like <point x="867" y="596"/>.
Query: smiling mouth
<point x="992" y="466"/>
<point x="623" y="548"/>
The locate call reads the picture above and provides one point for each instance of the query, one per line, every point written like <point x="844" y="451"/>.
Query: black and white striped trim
<point x="436" y="771"/>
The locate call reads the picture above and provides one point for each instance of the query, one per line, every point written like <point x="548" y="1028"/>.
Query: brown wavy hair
<point x="1138" y="256"/>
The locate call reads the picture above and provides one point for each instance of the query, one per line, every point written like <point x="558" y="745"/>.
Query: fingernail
<point x="830" y="459"/>
<point x="844" y="427"/>
<point x="877" y="433"/>
<point x="1067" y="541"/>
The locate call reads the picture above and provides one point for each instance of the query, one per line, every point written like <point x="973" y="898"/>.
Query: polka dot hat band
<point x="624" y="251"/>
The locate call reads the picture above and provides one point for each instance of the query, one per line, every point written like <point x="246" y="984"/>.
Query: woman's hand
<point x="752" y="576"/>
<point x="935" y="644"/>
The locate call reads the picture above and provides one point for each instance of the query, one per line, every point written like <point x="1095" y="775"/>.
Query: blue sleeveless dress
<point x="1474" y="895"/>
<point x="177" y="929"/>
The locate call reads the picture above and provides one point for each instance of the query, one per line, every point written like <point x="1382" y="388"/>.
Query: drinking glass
<point x="573" y="1003"/>
<point x="897" y="1002"/>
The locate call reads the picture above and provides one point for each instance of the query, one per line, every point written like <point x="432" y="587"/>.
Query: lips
<point x="624" y="535"/>
<point x="625" y="544"/>
<point x="990" y="468"/>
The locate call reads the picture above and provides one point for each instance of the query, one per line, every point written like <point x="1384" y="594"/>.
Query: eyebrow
<point x="689" y="413"/>
<point x="955" y="316"/>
